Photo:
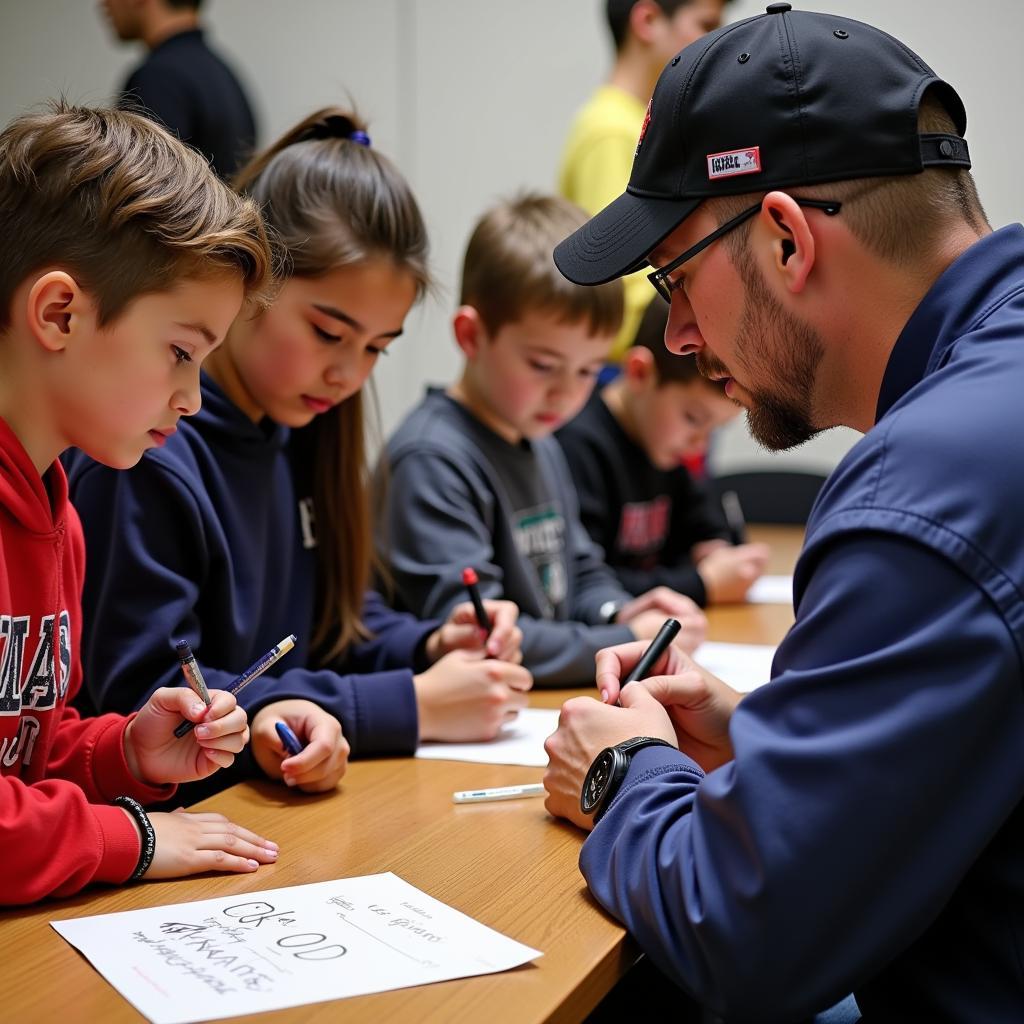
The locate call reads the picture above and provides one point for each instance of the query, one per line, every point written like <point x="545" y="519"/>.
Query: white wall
<point x="472" y="99"/>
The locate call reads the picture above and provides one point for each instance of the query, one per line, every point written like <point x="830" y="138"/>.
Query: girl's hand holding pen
<point x="324" y="755"/>
<point x="463" y="632"/>
<point x="467" y="697"/>
<point x="156" y="756"/>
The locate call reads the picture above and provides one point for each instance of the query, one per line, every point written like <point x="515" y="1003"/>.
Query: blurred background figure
<point x="182" y="82"/>
<point x="602" y="141"/>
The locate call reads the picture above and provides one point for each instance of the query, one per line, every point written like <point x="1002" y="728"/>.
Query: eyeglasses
<point x="660" y="278"/>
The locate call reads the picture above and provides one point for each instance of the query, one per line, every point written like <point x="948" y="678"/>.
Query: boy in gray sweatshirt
<point x="475" y="479"/>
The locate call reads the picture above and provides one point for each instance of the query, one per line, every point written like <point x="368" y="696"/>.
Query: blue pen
<point x="289" y="740"/>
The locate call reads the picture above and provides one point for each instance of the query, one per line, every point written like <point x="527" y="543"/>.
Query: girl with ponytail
<point x="253" y="521"/>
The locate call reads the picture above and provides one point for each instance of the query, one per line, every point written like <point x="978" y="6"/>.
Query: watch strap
<point x="626" y="750"/>
<point x="631" y="746"/>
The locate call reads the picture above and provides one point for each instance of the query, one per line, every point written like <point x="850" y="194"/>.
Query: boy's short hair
<point x="120" y="204"/>
<point x="509" y="271"/>
<point x="616" y="13"/>
<point x="669" y="367"/>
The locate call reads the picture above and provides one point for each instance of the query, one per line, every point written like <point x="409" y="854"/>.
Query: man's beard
<point x="779" y="416"/>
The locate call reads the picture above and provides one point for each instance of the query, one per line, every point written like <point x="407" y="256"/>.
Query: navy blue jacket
<point x="869" y="833"/>
<point x="204" y="541"/>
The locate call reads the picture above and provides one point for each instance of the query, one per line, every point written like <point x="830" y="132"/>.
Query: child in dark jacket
<point x="656" y="524"/>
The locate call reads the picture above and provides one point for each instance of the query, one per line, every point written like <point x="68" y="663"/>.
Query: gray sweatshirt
<point x="457" y="495"/>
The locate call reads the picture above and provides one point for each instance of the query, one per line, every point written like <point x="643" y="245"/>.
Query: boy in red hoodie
<point x="124" y="261"/>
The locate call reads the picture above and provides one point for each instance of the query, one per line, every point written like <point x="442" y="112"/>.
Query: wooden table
<point x="508" y="865"/>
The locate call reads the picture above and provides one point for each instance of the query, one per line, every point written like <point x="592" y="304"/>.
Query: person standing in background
<point x="182" y="83"/>
<point x="599" y="151"/>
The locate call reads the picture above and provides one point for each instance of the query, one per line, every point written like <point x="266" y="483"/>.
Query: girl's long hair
<point x="333" y="202"/>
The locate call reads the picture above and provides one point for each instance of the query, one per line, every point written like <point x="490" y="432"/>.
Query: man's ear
<point x="793" y="251"/>
<point x="470" y="332"/>
<point x="54" y="309"/>
<point x="638" y="368"/>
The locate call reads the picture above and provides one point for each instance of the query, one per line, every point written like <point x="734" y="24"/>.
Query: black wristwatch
<point x="608" y="770"/>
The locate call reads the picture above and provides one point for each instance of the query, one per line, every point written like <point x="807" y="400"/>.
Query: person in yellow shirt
<point x="598" y="154"/>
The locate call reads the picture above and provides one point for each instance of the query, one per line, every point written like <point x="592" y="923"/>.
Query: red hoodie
<point x="57" y="771"/>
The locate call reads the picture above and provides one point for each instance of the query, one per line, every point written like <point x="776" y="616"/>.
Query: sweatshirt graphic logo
<point x="44" y="683"/>
<point x="643" y="526"/>
<point x="540" y="537"/>
<point x="41" y="687"/>
<point x="734" y="162"/>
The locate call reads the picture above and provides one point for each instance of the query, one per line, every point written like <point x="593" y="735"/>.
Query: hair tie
<point x="336" y="126"/>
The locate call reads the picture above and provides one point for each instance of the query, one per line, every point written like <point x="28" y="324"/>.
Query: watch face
<point x="596" y="782"/>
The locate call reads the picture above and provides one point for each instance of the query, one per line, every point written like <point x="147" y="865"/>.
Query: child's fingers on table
<point x="214" y="821"/>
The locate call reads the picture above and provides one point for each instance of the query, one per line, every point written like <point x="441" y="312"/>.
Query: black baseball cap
<point x="786" y="98"/>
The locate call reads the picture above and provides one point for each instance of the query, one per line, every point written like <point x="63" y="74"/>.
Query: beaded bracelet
<point x="137" y="811"/>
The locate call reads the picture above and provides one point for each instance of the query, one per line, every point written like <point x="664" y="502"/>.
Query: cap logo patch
<point x="733" y="162"/>
<point x="643" y="127"/>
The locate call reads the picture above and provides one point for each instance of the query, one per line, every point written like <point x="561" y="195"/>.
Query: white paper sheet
<point x="286" y="947"/>
<point x="519" y="742"/>
<point x="771" y="590"/>
<point x="743" y="666"/>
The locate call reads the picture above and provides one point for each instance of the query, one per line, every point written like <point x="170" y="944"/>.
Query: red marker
<point x="470" y="578"/>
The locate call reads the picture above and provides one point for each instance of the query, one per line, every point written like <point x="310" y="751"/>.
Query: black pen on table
<point x="470" y="579"/>
<point x="734" y="517"/>
<point x="239" y="683"/>
<point x="658" y="646"/>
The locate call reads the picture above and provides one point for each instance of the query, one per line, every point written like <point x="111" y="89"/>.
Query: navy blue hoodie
<point x="206" y="540"/>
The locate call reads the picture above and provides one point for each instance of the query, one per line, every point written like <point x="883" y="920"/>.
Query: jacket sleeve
<point x="143" y="587"/>
<point x="868" y="777"/>
<point x="54" y="842"/>
<point x="397" y="639"/>
<point x="61" y="834"/>
<point x="436" y="524"/>
<point x="682" y="578"/>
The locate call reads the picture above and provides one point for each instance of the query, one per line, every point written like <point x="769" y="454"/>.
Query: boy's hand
<point x="465" y="697"/>
<point x="728" y="572"/>
<point x="646" y="614"/>
<point x="156" y="756"/>
<point x="699" y="705"/>
<point x="189" y="844"/>
<point x="462" y="632"/>
<point x="319" y="767"/>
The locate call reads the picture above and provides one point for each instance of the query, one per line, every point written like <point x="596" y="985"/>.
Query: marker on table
<point x="475" y="796"/>
<point x="734" y="517"/>
<point x="256" y="669"/>
<point x="190" y="669"/>
<point x="658" y="646"/>
<point x="470" y="578"/>
<point x="288" y="739"/>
